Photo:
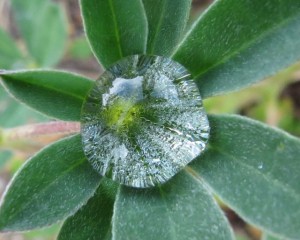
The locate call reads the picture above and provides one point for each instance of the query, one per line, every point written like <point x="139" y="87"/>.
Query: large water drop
<point x="143" y="121"/>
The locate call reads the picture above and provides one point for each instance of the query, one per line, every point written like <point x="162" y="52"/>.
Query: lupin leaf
<point x="236" y="43"/>
<point x="51" y="186"/>
<point x="255" y="170"/>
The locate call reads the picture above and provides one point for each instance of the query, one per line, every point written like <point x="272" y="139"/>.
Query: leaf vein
<point x="271" y="180"/>
<point x="112" y="8"/>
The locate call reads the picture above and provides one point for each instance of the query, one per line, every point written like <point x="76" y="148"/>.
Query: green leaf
<point x="44" y="28"/>
<point x="115" y="28"/>
<point x="52" y="185"/>
<point x="166" y="22"/>
<point x="266" y="236"/>
<point x="254" y="169"/>
<point x="180" y="209"/>
<point x="14" y="114"/>
<point x="269" y="237"/>
<point x="92" y="221"/>
<point x="42" y="234"/>
<point x="237" y="43"/>
<point x="56" y="94"/>
<point x="10" y="56"/>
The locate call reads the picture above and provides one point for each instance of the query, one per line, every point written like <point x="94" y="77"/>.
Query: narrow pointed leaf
<point x="237" y="43"/>
<point x="13" y="113"/>
<point x="115" y="28"/>
<point x="44" y="29"/>
<point x="180" y="209"/>
<point x="92" y="221"/>
<point x="166" y="22"/>
<point x="255" y="170"/>
<point x="51" y="186"/>
<point x="10" y="56"/>
<point x="56" y="94"/>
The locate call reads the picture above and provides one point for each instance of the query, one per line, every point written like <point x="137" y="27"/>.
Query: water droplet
<point x="143" y="121"/>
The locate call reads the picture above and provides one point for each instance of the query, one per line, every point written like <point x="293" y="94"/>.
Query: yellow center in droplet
<point x="121" y="114"/>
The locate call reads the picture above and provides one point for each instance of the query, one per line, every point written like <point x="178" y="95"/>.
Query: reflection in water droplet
<point x="143" y="121"/>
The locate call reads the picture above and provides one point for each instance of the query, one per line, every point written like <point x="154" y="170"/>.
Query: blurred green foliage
<point x="43" y="27"/>
<point x="39" y="46"/>
<point x="44" y="47"/>
<point x="262" y="102"/>
<point x="80" y="49"/>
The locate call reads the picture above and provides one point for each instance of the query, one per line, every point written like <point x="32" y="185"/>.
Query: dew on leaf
<point x="260" y="166"/>
<point x="143" y="121"/>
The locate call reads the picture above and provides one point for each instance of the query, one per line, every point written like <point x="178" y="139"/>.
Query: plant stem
<point x="36" y="135"/>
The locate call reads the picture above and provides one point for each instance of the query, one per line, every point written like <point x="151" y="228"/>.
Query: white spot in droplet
<point x="125" y="88"/>
<point x="120" y="152"/>
<point x="156" y="160"/>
